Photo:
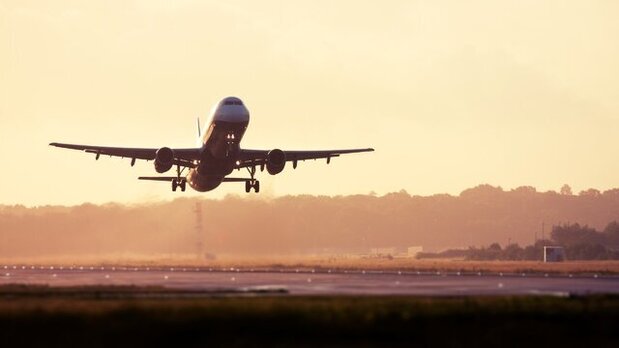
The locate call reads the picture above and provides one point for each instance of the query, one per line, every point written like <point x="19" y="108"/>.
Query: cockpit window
<point x="233" y="102"/>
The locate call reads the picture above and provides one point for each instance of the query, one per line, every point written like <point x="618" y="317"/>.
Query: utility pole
<point x="199" y="231"/>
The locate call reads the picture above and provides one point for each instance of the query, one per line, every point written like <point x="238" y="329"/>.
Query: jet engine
<point x="276" y="160"/>
<point x="164" y="159"/>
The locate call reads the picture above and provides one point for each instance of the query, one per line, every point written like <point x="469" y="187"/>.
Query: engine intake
<point x="164" y="159"/>
<point x="276" y="161"/>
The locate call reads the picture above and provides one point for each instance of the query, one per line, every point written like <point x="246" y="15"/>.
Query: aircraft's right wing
<point x="249" y="158"/>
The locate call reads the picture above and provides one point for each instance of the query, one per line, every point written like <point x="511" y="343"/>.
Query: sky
<point x="451" y="94"/>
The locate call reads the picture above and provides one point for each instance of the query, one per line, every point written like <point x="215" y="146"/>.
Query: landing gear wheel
<point x="249" y="184"/>
<point x="252" y="183"/>
<point x="179" y="181"/>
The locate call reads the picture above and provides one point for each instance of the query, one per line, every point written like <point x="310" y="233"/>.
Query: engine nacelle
<point x="164" y="159"/>
<point x="276" y="161"/>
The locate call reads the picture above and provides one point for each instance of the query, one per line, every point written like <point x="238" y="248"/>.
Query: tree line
<point x="580" y="243"/>
<point x="303" y="223"/>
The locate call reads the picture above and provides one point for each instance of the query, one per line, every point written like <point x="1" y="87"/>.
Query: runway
<point x="314" y="282"/>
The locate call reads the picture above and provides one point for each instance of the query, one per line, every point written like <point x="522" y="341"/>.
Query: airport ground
<point x="107" y="316"/>
<point x="411" y="264"/>
<point x="334" y="262"/>
<point x="310" y="302"/>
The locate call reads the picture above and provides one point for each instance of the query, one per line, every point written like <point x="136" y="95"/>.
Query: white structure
<point x="382" y="251"/>
<point x="412" y="251"/>
<point x="554" y="254"/>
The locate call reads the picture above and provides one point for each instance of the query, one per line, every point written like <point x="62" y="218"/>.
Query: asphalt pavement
<point x="315" y="282"/>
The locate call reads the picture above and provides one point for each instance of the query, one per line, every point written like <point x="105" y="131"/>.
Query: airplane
<point x="218" y="156"/>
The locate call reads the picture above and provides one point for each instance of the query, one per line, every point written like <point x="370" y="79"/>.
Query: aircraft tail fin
<point x="199" y="139"/>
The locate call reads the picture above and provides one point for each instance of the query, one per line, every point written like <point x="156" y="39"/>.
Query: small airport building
<point x="554" y="254"/>
<point x="399" y="252"/>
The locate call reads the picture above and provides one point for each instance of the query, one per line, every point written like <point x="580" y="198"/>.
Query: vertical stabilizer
<point x="199" y="138"/>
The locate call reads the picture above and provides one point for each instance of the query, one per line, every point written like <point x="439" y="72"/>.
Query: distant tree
<point x="569" y="235"/>
<point x="513" y="252"/>
<point x="587" y="251"/>
<point x="611" y="193"/>
<point x="612" y="234"/>
<point x="525" y="189"/>
<point x="566" y="190"/>
<point x="590" y="193"/>
<point x="494" y="247"/>
<point x="533" y="252"/>
<point x="483" y="192"/>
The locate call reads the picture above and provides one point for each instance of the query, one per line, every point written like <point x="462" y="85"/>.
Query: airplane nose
<point x="232" y="114"/>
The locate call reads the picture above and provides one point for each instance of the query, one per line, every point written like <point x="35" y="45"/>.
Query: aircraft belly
<point x="203" y="183"/>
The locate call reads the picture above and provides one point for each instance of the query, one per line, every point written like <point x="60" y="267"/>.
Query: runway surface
<point x="315" y="282"/>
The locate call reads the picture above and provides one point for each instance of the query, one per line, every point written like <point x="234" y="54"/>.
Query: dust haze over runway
<point x="314" y="282"/>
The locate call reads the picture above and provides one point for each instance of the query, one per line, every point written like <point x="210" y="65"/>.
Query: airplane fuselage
<point x="220" y="145"/>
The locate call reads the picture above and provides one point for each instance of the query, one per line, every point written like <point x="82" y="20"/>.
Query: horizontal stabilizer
<point x="170" y="178"/>
<point x="235" y="180"/>
<point x="158" y="178"/>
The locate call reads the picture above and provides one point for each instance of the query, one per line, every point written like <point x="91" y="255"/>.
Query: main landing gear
<point x="179" y="182"/>
<point x="252" y="183"/>
<point x="255" y="184"/>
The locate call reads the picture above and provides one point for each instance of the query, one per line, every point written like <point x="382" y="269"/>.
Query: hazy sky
<point x="450" y="93"/>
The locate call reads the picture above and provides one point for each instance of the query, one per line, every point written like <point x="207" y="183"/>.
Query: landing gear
<point x="176" y="183"/>
<point x="255" y="184"/>
<point x="252" y="183"/>
<point x="179" y="182"/>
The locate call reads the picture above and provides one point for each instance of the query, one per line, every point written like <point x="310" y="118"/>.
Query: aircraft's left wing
<point x="182" y="157"/>
<point x="249" y="158"/>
